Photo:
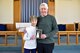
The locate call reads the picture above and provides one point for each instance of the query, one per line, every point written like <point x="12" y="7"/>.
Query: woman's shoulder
<point x="28" y="27"/>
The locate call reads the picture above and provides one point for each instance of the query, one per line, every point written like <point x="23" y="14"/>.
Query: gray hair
<point x="44" y="4"/>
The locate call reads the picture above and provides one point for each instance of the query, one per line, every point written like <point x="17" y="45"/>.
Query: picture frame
<point x="38" y="33"/>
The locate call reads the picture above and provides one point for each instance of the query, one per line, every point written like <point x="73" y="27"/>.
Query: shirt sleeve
<point x="26" y="35"/>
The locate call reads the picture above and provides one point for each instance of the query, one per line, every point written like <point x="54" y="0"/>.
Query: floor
<point x="63" y="48"/>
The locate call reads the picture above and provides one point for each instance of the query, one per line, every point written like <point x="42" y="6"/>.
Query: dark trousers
<point x="29" y="50"/>
<point x="45" y="48"/>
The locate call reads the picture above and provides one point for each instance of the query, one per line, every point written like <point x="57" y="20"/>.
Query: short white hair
<point x="44" y="5"/>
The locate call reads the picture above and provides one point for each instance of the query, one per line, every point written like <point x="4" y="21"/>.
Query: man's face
<point x="43" y="11"/>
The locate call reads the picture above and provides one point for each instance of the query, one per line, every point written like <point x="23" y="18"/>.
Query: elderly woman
<point x="48" y="25"/>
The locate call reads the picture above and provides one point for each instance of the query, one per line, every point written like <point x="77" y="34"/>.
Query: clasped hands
<point x="43" y="36"/>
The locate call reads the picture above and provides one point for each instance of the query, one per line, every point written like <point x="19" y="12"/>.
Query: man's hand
<point x="43" y="36"/>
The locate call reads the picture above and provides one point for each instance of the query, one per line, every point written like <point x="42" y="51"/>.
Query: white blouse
<point x="30" y="44"/>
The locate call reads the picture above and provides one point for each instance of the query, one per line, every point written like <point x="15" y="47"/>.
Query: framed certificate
<point x="38" y="33"/>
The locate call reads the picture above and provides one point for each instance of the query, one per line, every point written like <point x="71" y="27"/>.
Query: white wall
<point x="6" y="11"/>
<point x="67" y="11"/>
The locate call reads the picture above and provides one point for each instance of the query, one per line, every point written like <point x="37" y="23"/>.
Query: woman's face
<point x="43" y="11"/>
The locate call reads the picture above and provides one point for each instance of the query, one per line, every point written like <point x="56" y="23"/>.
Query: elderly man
<point x="46" y="22"/>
